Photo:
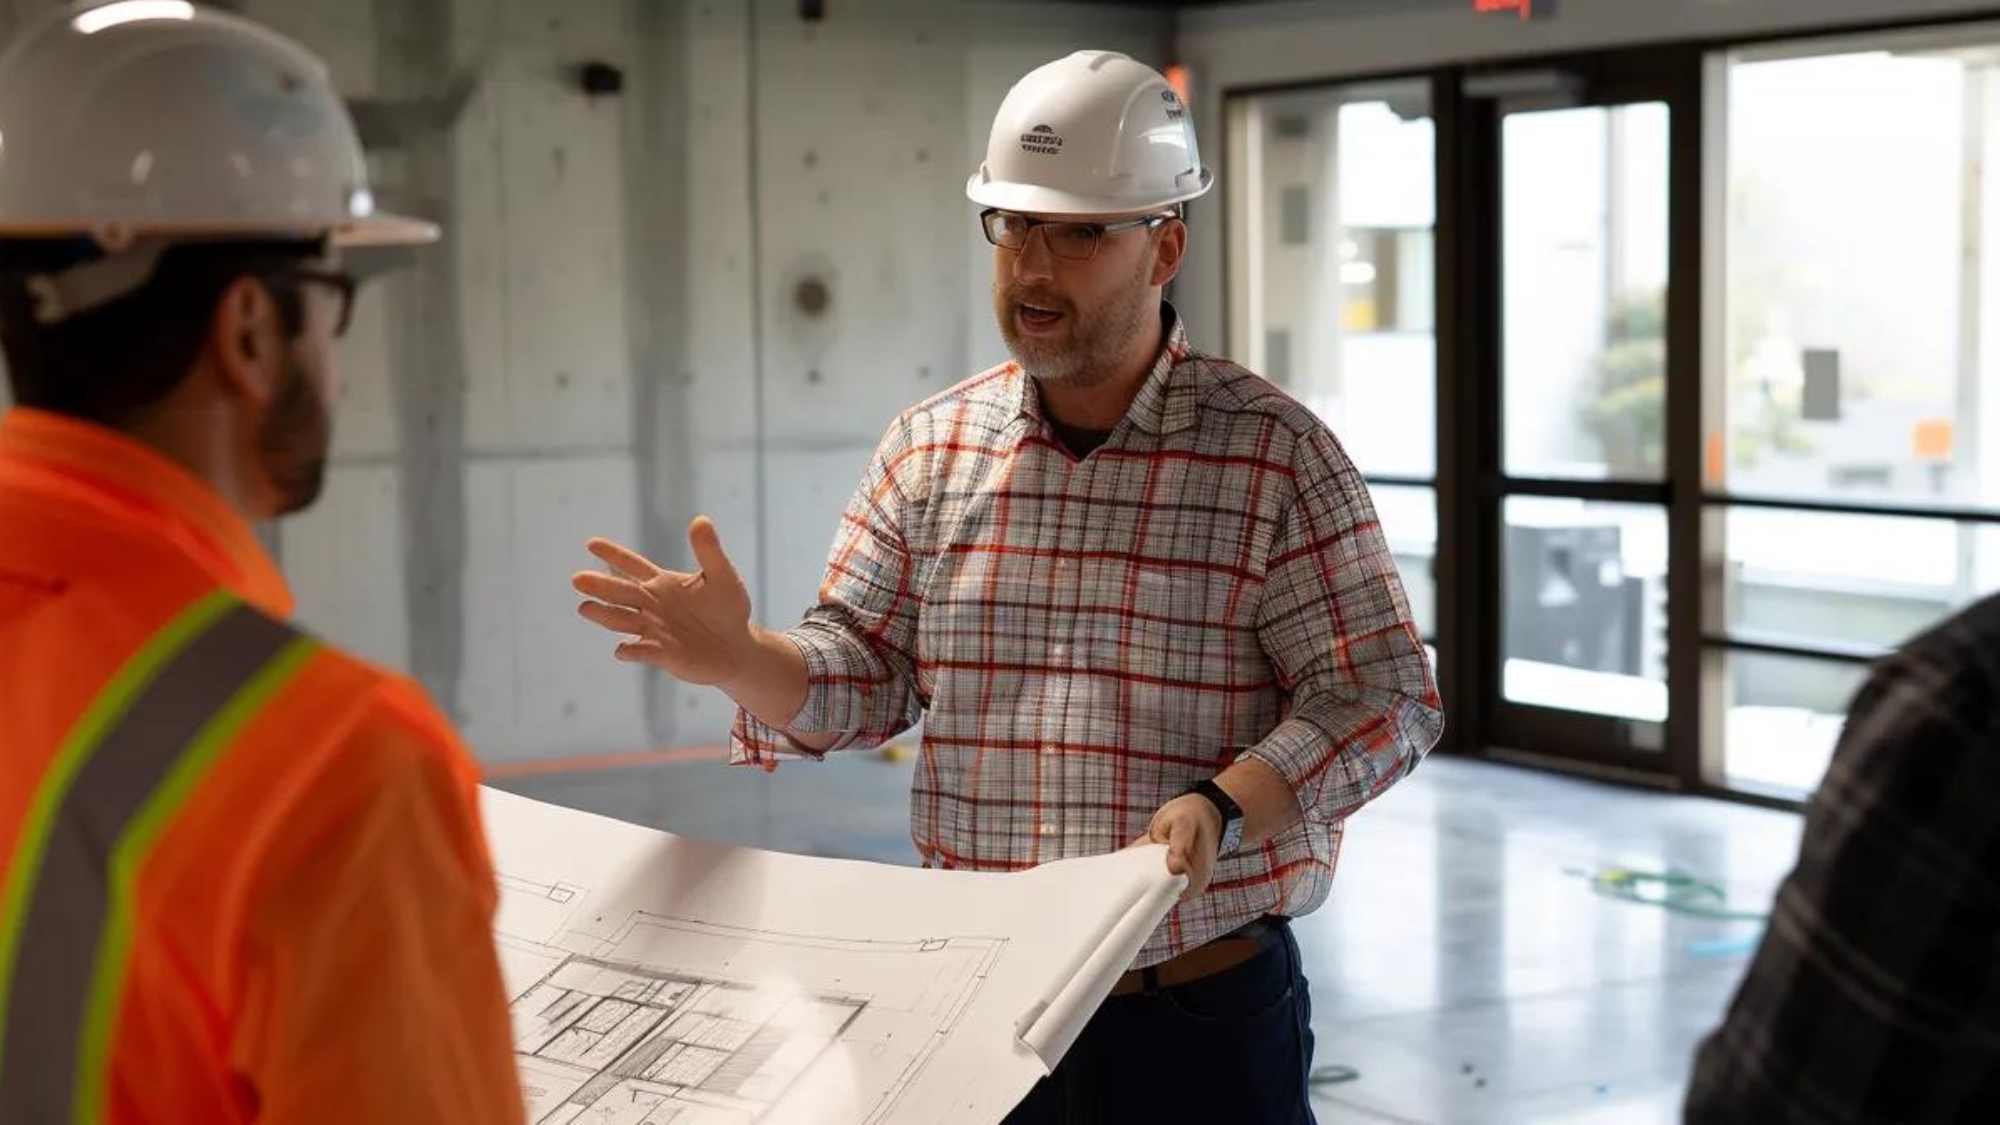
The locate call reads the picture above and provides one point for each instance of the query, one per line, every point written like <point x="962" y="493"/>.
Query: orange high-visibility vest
<point x="244" y="878"/>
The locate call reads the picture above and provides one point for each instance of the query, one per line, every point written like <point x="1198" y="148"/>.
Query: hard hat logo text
<point x="1043" y="140"/>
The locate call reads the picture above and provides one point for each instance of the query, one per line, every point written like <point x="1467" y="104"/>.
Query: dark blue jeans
<point x="1233" y="1048"/>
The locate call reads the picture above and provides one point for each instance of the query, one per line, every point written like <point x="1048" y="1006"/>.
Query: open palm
<point x="694" y="627"/>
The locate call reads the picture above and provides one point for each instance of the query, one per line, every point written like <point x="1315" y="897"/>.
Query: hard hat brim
<point x="386" y="230"/>
<point x="1035" y="199"/>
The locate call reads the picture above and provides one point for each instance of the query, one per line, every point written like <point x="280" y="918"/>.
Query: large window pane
<point x="1584" y="597"/>
<point x="1584" y="214"/>
<point x="1812" y="577"/>
<point x="1863" y="289"/>
<point x="1784" y="717"/>
<point x="1335" y="255"/>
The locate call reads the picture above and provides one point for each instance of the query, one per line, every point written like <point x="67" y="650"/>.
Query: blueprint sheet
<point x="663" y="981"/>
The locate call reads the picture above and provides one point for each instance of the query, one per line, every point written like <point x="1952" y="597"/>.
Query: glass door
<point x="1579" y="195"/>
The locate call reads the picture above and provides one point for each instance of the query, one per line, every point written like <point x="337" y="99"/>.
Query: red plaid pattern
<point x="1084" y="639"/>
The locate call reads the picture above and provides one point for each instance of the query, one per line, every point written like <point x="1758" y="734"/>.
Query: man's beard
<point x="293" y="440"/>
<point x="1092" y="346"/>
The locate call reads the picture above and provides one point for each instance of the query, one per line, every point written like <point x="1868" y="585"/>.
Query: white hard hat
<point x="154" y="119"/>
<point x="1096" y="133"/>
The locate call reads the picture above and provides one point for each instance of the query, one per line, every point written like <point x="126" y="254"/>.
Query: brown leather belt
<point x="1202" y="961"/>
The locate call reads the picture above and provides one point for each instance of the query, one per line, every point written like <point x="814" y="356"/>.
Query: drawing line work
<point x="614" y="1036"/>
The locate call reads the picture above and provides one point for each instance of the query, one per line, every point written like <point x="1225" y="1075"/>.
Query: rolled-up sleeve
<point x="859" y="641"/>
<point x="1335" y="624"/>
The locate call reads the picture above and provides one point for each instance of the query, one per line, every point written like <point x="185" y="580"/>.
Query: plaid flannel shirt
<point x="1085" y="638"/>
<point x="1875" y="995"/>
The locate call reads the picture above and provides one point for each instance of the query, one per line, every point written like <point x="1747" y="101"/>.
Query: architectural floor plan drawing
<point x="723" y="1035"/>
<point x="662" y="981"/>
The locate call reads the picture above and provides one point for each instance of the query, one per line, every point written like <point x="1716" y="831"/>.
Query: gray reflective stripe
<point x="67" y="909"/>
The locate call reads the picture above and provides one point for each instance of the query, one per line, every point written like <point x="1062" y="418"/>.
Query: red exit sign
<point x="1520" y="9"/>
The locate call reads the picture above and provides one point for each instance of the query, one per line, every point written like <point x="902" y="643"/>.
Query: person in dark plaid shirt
<point x="1135" y="593"/>
<point x="1875" y="996"/>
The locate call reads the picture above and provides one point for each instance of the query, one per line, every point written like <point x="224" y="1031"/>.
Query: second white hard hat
<point x="155" y="118"/>
<point x="1096" y="133"/>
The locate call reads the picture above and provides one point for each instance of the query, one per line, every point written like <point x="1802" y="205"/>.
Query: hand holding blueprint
<point x="658" y="980"/>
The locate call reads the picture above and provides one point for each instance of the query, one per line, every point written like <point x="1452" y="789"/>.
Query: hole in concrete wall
<point x="601" y="79"/>
<point x="804" y="301"/>
<point x="811" y="296"/>
<point x="811" y="159"/>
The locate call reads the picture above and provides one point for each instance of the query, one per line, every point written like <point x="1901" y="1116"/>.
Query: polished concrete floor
<point x="1464" y="971"/>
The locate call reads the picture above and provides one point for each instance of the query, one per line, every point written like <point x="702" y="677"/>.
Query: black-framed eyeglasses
<point x="342" y="284"/>
<point x="1076" y="242"/>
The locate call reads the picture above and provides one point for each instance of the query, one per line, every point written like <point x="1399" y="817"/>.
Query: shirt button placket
<point x="1051" y="795"/>
<point x="1067" y="655"/>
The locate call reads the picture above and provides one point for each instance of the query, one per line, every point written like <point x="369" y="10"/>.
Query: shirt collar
<point x="185" y="510"/>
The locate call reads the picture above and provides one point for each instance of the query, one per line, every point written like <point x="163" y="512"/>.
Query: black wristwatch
<point x="1232" y="815"/>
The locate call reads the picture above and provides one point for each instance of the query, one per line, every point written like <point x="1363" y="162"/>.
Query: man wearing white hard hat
<point x="1135" y="593"/>
<point x="244" y="876"/>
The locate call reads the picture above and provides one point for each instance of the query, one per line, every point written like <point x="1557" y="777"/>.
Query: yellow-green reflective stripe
<point x="129" y="857"/>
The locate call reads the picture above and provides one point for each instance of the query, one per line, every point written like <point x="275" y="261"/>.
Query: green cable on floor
<point x="1681" y="894"/>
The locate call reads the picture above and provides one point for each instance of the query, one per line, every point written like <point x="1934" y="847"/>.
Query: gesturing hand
<point x="694" y="627"/>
